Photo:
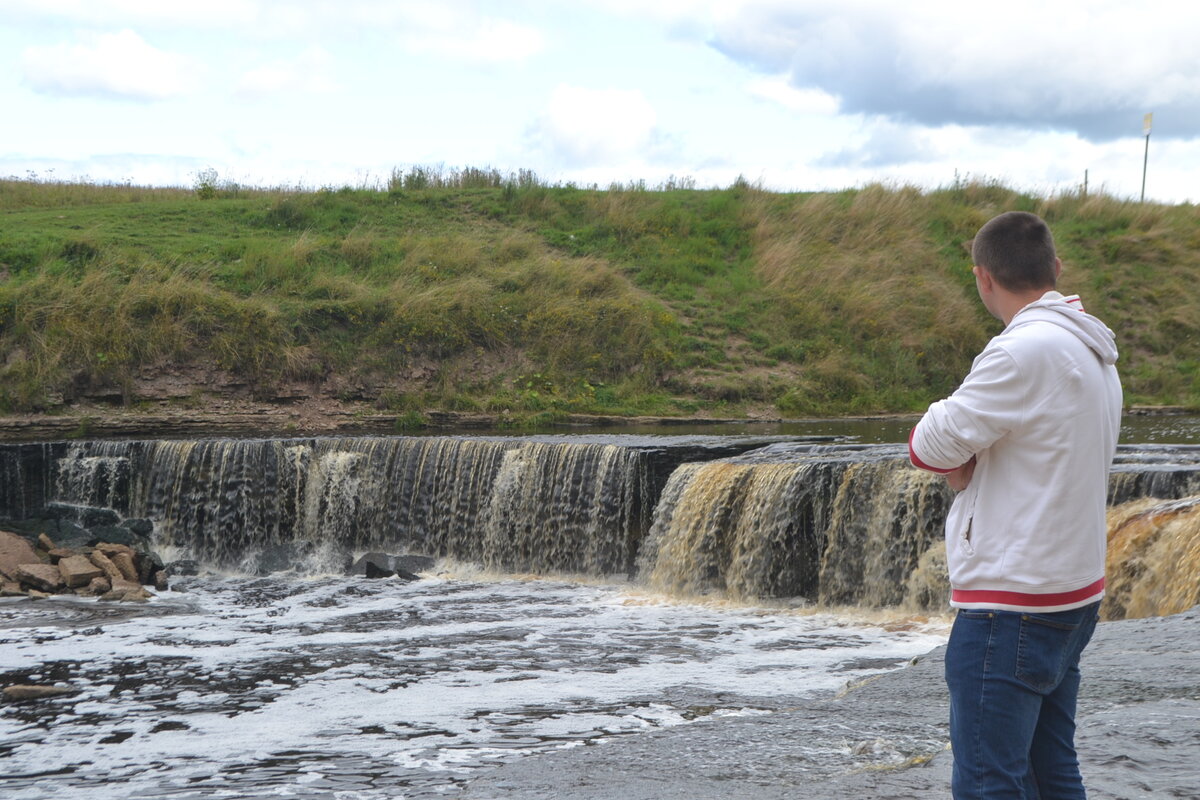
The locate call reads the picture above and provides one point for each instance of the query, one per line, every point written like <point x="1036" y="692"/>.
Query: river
<point x="541" y="627"/>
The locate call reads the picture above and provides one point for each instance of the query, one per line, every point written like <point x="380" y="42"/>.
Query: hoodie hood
<point x="1068" y="313"/>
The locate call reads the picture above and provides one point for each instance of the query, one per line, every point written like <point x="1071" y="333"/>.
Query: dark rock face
<point x="63" y="532"/>
<point x="147" y="564"/>
<point x="85" y="516"/>
<point x="373" y="571"/>
<point x="184" y="567"/>
<point x="26" y="480"/>
<point x="139" y="527"/>
<point x="384" y="565"/>
<point x="117" y="534"/>
<point x="276" y="558"/>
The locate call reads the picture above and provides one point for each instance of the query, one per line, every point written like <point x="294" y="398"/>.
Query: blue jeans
<point x="1013" y="679"/>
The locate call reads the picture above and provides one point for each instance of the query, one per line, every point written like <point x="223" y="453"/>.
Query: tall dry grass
<point x="527" y="295"/>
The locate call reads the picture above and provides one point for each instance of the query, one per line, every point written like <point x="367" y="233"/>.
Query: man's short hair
<point x="1017" y="248"/>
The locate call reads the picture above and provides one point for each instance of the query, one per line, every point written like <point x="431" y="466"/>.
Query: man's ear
<point x="1057" y="268"/>
<point x="983" y="277"/>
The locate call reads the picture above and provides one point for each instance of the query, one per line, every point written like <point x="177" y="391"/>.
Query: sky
<point x="803" y="95"/>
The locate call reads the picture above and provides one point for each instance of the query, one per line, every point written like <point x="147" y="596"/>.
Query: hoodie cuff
<point x="917" y="462"/>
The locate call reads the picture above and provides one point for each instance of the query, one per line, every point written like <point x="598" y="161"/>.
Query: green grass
<point x="475" y="291"/>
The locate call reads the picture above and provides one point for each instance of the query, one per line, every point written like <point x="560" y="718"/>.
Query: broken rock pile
<point x="37" y="568"/>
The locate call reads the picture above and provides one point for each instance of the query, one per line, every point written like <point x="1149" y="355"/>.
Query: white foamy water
<point x="353" y="689"/>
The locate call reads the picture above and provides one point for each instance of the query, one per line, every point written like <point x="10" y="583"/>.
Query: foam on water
<point x="341" y="688"/>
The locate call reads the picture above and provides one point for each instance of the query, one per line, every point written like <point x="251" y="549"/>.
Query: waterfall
<point x="1153" y="558"/>
<point x="744" y="529"/>
<point x="837" y="524"/>
<point x="565" y="508"/>
<point x="26" y="478"/>
<point x="841" y="527"/>
<point x="855" y="525"/>
<point x="102" y="480"/>
<point x="887" y="514"/>
<point x="513" y="505"/>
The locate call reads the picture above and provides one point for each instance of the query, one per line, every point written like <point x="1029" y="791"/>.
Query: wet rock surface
<point x="1138" y="720"/>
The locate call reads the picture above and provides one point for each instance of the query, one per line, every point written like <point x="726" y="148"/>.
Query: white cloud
<point x="138" y="13"/>
<point x="115" y="64"/>
<point x="589" y="127"/>
<point x="886" y="144"/>
<point x="1083" y="65"/>
<point x="463" y="36"/>
<point x="803" y="101"/>
<point x="307" y="73"/>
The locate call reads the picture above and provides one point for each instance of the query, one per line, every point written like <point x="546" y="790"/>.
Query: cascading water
<point x="508" y="504"/>
<point x="254" y="685"/>
<point x="747" y="530"/>
<point x="1153" y="558"/>
<point x="843" y="525"/>
<point x="838" y="524"/>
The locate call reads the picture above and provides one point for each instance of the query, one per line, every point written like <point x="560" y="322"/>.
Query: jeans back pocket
<point x="1049" y="644"/>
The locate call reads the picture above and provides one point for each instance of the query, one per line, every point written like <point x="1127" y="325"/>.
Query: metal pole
<point x="1145" y="161"/>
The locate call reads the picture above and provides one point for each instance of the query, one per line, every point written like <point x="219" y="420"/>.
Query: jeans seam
<point x="983" y="702"/>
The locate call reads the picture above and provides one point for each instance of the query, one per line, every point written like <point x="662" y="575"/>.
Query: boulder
<point x="124" y="562"/>
<point x="414" y="563"/>
<point x="98" y="586"/>
<point x="14" y="551"/>
<point x="34" y="692"/>
<point x="143" y="528"/>
<point x="110" y="569"/>
<point x="276" y="558"/>
<point x="147" y="564"/>
<point x="118" y="534"/>
<point x="375" y="565"/>
<point x="372" y="571"/>
<point x="59" y="553"/>
<point x="87" y="516"/>
<point x="127" y="591"/>
<point x="110" y="549"/>
<point x="10" y="589"/>
<point x="78" y="571"/>
<point x="45" y="542"/>
<point x="160" y="581"/>
<point x="183" y="567"/>
<point x="45" y="577"/>
<point x="63" y="533"/>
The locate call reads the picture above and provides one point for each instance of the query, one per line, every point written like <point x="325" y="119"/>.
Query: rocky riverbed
<point x="1139" y="737"/>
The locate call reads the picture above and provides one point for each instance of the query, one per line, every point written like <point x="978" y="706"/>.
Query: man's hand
<point x="959" y="478"/>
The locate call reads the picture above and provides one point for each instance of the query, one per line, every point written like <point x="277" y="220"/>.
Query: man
<point x="1027" y="441"/>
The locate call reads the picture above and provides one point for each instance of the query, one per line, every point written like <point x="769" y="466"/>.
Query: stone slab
<point x="14" y="551"/>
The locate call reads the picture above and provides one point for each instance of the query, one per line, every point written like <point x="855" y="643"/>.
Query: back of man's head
<point x="1017" y="248"/>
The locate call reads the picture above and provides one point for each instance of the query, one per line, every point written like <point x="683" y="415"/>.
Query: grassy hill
<point x="474" y="291"/>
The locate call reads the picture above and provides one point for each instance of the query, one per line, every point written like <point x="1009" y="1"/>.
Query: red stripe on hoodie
<point x="1024" y="598"/>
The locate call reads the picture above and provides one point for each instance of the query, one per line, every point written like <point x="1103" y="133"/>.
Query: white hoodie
<point x="1041" y="412"/>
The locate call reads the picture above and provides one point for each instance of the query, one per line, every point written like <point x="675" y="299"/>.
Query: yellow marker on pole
<point x="1147" y="121"/>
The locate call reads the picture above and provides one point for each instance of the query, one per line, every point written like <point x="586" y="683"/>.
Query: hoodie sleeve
<point x="989" y="404"/>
